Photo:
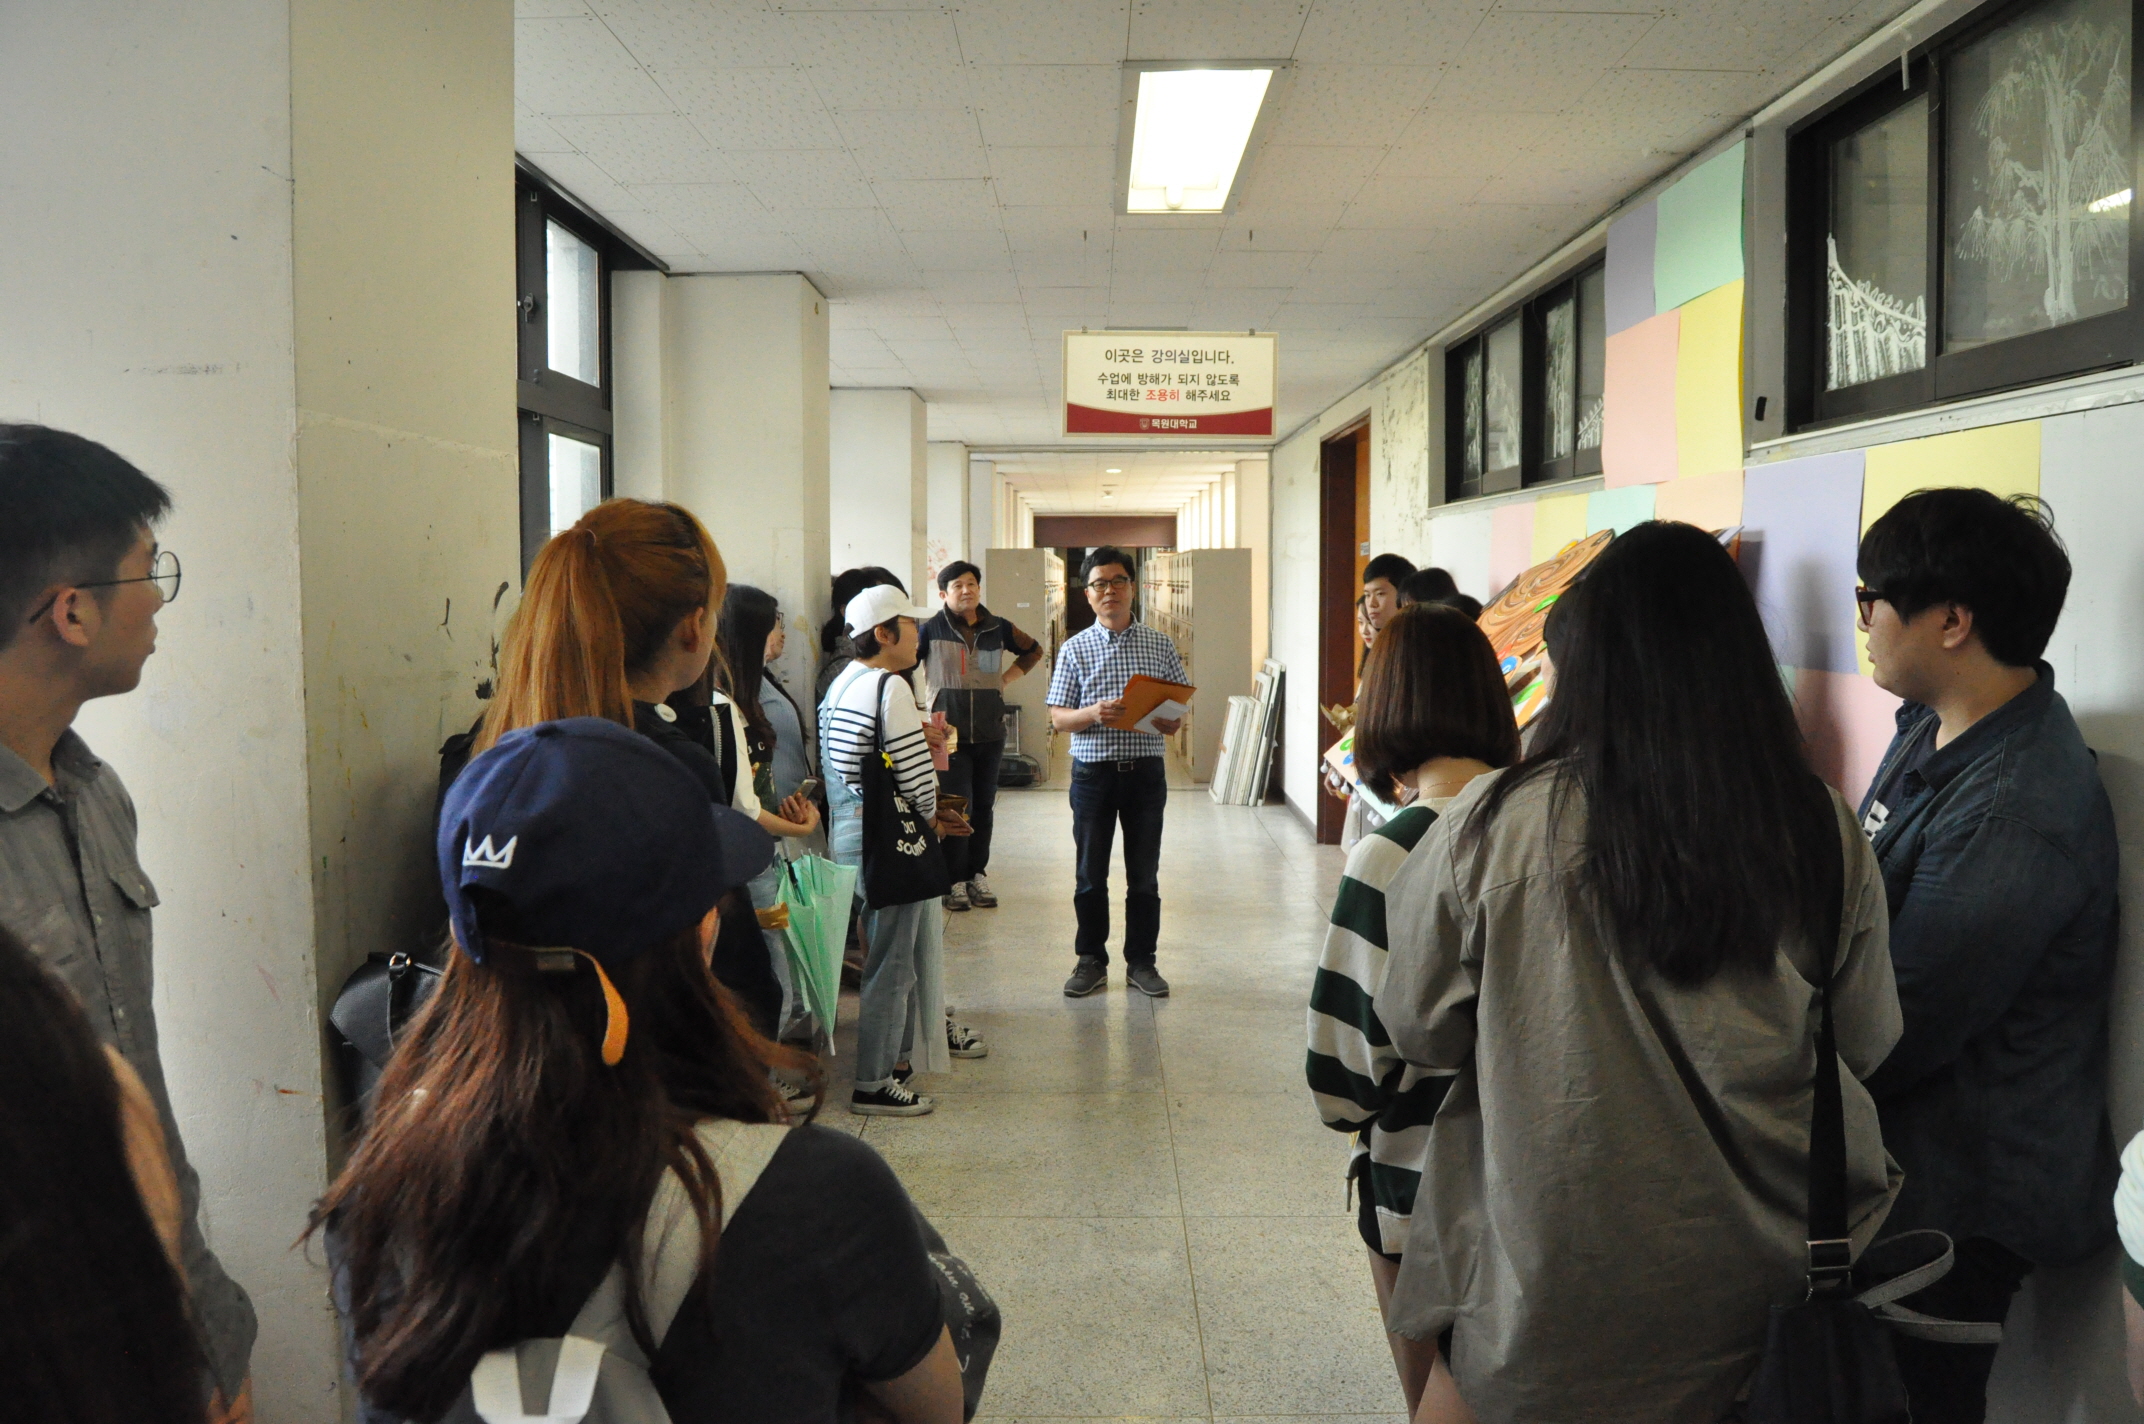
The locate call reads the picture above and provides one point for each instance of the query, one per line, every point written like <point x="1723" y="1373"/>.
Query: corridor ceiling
<point x="945" y="173"/>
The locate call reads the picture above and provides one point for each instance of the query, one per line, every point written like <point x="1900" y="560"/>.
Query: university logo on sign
<point x="1168" y="383"/>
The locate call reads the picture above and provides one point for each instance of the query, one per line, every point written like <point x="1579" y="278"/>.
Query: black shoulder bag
<point x="376" y="1003"/>
<point x="903" y="862"/>
<point x="1828" y="1358"/>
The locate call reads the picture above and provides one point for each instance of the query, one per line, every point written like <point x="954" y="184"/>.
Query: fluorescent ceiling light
<point x="1112" y="471"/>
<point x="1189" y="136"/>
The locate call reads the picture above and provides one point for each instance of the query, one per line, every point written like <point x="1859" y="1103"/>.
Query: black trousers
<point x="972" y="772"/>
<point x="1135" y="792"/>
<point x="1948" y="1384"/>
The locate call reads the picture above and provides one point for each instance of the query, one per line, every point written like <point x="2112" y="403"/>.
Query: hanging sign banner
<point x="1168" y="384"/>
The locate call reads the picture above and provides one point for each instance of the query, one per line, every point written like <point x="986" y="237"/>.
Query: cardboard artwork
<point x="1516" y="622"/>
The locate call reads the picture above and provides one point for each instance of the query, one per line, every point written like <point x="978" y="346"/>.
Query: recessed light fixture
<point x="1112" y="471"/>
<point x="1187" y="130"/>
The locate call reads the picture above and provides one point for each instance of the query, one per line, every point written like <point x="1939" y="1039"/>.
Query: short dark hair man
<point x="1382" y="579"/>
<point x="1431" y="585"/>
<point x="81" y="580"/>
<point x="1116" y="775"/>
<point x="1999" y="861"/>
<point x="963" y="656"/>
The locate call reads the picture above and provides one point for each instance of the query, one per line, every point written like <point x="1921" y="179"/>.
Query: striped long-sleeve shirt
<point x="862" y="699"/>
<point x="1360" y="1082"/>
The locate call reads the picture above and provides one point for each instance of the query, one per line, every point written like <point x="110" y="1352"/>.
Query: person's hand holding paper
<point x="1150" y="705"/>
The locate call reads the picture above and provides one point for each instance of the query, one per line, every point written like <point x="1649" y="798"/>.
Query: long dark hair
<point x="1708" y="837"/>
<point x="1430" y="688"/>
<point x="500" y="1143"/>
<point x="834" y="633"/>
<point x="748" y="617"/>
<point x="93" y="1316"/>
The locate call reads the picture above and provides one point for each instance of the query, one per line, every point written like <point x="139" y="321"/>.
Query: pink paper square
<point x="1638" y="410"/>
<point x="1511" y="543"/>
<point x="1848" y="720"/>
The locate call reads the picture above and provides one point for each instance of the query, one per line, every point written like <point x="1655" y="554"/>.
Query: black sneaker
<point x="889" y="1100"/>
<point x="1147" y="980"/>
<point x="902" y="1072"/>
<point x="1088" y="975"/>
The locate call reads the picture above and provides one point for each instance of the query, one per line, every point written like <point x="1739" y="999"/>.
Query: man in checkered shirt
<point x="1116" y="776"/>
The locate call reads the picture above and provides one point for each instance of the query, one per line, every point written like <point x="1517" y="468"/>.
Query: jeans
<point x="885" y="1022"/>
<point x="1948" y="1384"/>
<point x="1103" y="793"/>
<point x="972" y="772"/>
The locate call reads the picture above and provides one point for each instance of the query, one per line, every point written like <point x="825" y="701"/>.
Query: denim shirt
<point x="1999" y="862"/>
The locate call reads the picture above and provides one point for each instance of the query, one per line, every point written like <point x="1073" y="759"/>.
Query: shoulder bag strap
<point x="1830" y="1251"/>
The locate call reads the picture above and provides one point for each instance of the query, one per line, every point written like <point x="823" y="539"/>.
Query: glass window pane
<point x="1507" y="379"/>
<point x="1470" y="439"/>
<point x="2037" y="174"/>
<point x="1559" y="385"/>
<point x="576" y="480"/>
<point x="573" y="309"/>
<point x="1876" y="267"/>
<point x="1592" y="355"/>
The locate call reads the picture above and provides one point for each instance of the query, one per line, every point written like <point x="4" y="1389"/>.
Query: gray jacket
<point x="1999" y="864"/>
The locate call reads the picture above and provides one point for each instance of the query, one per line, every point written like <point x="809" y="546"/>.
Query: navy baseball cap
<point x="588" y="837"/>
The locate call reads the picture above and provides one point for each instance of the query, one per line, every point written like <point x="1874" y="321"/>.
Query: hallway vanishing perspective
<point x="1143" y="1184"/>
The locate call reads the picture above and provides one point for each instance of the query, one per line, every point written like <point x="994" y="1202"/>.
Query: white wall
<point x="982" y="507"/>
<point x="259" y="247"/>
<point x="1253" y="511"/>
<point x="740" y="432"/>
<point x="947" y="503"/>
<point x="879" y="491"/>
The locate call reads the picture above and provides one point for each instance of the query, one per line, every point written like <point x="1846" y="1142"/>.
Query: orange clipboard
<point x="1142" y="695"/>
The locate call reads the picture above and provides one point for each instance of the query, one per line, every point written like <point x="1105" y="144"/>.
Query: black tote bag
<point x="903" y="862"/>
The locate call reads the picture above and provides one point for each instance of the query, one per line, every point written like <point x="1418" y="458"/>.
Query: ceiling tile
<point x="548" y="9"/>
<point x="578" y="67"/>
<point x="1269" y="227"/>
<point x="1215" y="29"/>
<point x="1351" y="104"/>
<point x="534" y="135"/>
<point x="1288" y="176"/>
<point x="973" y="286"/>
<point x="914" y="143"/>
<point x="1536" y="62"/>
<point x="645" y="148"/>
<point x="1671" y="111"/>
<point x="1179" y="252"/>
<point x="962" y="205"/>
<point x="1034" y="229"/>
<point x="727" y="208"/>
<point x="894" y="59"/>
<point x="1460" y="143"/>
<point x="1256" y="269"/>
<point x="1409" y="202"/>
<point x="789" y="180"/>
<point x="751" y="108"/>
<point x="1028" y="177"/>
<point x="1048" y="305"/>
<point x="690" y="34"/>
<point x="1038" y="104"/>
<point x="960" y="252"/>
<point x="1705" y="36"/>
<point x="1049" y="32"/>
<point x="1393" y="31"/>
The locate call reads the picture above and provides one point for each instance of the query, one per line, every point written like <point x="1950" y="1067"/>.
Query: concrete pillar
<point x="1254" y="524"/>
<point x="982" y="508"/>
<point x="727" y="415"/>
<point x="879" y="501"/>
<point x="949" y="536"/>
<point x="280" y="293"/>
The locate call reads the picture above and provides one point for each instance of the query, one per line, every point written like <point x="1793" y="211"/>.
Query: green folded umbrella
<point x="820" y="895"/>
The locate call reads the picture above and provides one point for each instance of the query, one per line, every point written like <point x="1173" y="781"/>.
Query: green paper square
<point x="1699" y="246"/>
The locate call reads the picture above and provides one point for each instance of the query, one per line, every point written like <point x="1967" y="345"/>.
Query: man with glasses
<point x="1116" y="775"/>
<point x="1998" y="852"/>
<point x="81" y="582"/>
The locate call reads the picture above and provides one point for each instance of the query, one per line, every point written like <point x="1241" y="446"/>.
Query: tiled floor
<point x="1143" y="1184"/>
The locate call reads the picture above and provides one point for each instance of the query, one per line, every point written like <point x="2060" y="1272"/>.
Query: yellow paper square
<point x="1558" y="522"/>
<point x="1708" y="383"/>
<point x="2002" y="458"/>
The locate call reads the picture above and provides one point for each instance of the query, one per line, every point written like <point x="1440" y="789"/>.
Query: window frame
<point x="1533" y="469"/>
<point x="2111" y="339"/>
<point x="551" y="402"/>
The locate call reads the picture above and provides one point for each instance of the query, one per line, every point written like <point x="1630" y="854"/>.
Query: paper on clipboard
<point x="1145" y="698"/>
<point x="1167" y="710"/>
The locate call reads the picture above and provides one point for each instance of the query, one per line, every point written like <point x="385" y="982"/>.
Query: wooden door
<point x="1344" y="461"/>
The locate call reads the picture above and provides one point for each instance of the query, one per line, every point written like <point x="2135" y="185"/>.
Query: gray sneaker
<point x="979" y="894"/>
<point x="957" y="897"/>
<point x="1088" y="975"/>
<point x="1147" y="980"/>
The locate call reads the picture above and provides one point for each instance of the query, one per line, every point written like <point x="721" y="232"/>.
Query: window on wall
<point x="564" y="258"/>
<point x="1965" y="227"/>
<point x="1525" y="392"/>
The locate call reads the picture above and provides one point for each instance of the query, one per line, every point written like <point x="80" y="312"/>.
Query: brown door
<point x="1344" y="469"/>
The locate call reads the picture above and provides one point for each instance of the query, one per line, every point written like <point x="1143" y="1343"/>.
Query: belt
<point x="1124" y="764"/>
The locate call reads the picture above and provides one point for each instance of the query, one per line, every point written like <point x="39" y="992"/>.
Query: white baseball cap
<point x="877" y="604"/>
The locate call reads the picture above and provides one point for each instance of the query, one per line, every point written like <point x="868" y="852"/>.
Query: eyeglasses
<point x="1110" y="585"/>
<point x="163" y="572"/>
<point x="1868" y="598"/>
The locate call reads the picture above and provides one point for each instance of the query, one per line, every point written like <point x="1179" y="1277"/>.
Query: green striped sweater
<point x="1359" y="1080"/>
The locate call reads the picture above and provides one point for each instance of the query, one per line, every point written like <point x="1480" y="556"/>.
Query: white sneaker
<point x="962" y="1041"/>
<point x="979" y="894"/>
<point x="957" y="897"/>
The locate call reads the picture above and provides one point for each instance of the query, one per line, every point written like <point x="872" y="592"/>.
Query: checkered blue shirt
<point x="1093" y="665"/>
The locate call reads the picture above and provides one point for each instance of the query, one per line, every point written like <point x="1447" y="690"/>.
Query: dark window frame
<point x="552" y="402"/>
<point x="2111" y="339"/>
<point x="1533" y="469"/>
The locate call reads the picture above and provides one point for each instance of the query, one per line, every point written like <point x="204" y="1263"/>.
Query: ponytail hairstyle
<point x="602" y="598"/>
